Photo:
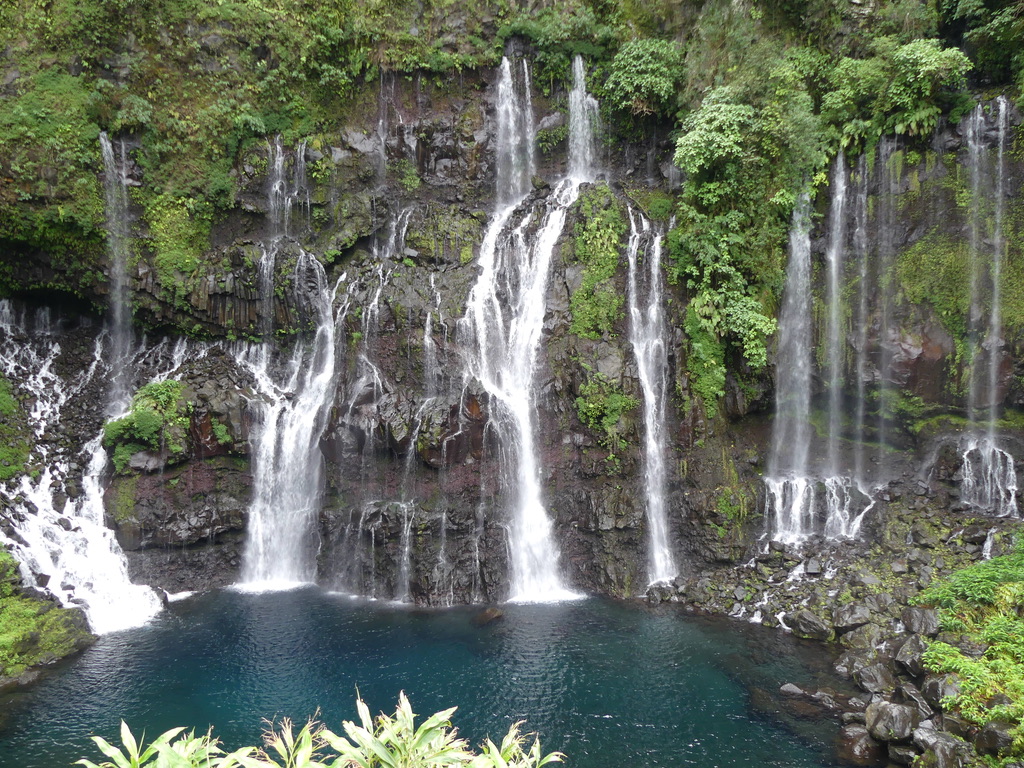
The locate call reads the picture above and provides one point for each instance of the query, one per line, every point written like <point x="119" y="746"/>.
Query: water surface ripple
<point x="609" y="684"/>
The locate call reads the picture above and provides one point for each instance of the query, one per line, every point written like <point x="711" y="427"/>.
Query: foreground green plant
<point x="389" y="741"/>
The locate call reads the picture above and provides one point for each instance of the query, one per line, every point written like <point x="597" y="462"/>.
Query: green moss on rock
<point x="33" y="631"/>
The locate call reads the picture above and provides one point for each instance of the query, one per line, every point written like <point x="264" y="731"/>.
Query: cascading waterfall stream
<point x="287" y="463"/>
<point x="359" y="573"/>
<point x="115" y="190"/>
<point x="65" y="548"/>
<point x="989" y="477"/>
<point x="647" y="334"/>
<point x="885" y="255"/>
<point x="834" y="261"/>
<point x="846" y="498"/>
<point x="790" y="500"/>
<point x="504" y="318"/>
<point x="860" y="249"/>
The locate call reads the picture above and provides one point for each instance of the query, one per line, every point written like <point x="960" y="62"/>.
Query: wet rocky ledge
<point x="861" y="599"/>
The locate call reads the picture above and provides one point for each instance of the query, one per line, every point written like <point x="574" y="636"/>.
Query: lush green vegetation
<point x="982" y="604"/>
<point x="32" y="631"/>
<point x="158" y="421"/>
<point x="387" y="741"/>
<point x="15" y="444"/>
<point x="759" y="95"/>
<point x="597" y="303"/>
<point x="600" y="407"/>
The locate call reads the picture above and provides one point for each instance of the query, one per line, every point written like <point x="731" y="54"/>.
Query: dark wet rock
<point x="855" y="746"/>
<point x="902" y="754"/>
<point x="995" y="738"/>
<point x="887" y="721"/>
<point x="935" y="688"/>
<point x="864" y="638"/>
<point x="957" y="725"/>
<point x="910" y="656"/>
<point x="806" y="624"/>
<point x="875" y="678"/>
<point x="865" y="579"/>
<point x="922" y="621"/>
<point x="910" y="694"/>
<point x="851" y="616"/>
<point x="850" y="662"/>
<point x="942" y="750"/>
<point x="191" y="503"/>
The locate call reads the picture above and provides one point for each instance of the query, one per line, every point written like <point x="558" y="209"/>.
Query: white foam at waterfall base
<point x="790" y="508"/>
<point x="67" y="549"/>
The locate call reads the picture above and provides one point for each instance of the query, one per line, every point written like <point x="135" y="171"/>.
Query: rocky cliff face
<point x="394" y="206"/>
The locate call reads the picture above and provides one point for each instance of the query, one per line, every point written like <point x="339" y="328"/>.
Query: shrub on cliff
<point x="982" y="605"/>
<point x="387" y="741"/>
<point x="158" y="422"/>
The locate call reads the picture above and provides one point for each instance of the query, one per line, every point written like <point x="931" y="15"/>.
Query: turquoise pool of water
<point x="610" y="684"/>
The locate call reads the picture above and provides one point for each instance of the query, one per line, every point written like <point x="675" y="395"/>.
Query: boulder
<point x="887" y="721"/>
<point x="912" y="696"/>
<point x="866" y="638"/>
<point x="994" y="739"/>
<point x="849" y="663"/>
<point x="851" y="616"/>
<point x="856" y="747"/>
<point x="806" y="624"/>
<point x="902" y="754"/>
<point x="938" y="687"/>
<point x="941" y="749"/>
<point x="910" y="654"/>
<point x="875" y="678"/>
<point x="921" y="621"/>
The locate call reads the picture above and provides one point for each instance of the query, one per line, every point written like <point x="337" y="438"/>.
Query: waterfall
<point x="846" y="498"/>
<point x="584" y="125"/>
<point x="989" y="478"/>
<point x="834" y="348"/>
<point x="975" y="157"/>
<point x="292" y="399"/>
<point x="115" y="189"/>
<point x="282" y="196"/>
<point x="504" y="319"/>
<point x="358" y="573"/>
<point x="287" y="463"/>
<point x="63" y="547"/>
<point x="647" y="334"/>
<point x="790" y="491"/>
<point x="885" y="226"/>
<point x="860" y="249"/>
